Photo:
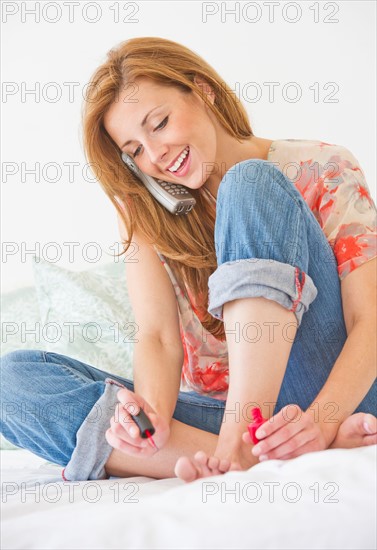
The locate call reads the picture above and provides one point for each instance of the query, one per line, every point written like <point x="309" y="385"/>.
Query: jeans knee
<point x="251" y="182"/>
<point x="14" y="365"/>
<point x="248" y="172"/>
<point x="256" y="192"/>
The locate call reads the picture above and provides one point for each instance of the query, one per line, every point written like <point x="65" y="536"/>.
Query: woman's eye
<point x="159" y="127"/>
<point x="136" y="152"/>
<point x="162" y="124"/>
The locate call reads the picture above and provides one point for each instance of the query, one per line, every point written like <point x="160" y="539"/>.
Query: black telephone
<point x="174" y="197"/>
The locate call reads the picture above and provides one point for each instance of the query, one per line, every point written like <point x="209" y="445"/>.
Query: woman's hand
<point x="124" y="434"/>
<point x="288" y="434"/>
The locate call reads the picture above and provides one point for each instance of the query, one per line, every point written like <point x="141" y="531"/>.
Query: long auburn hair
<point x="186" y="242"/>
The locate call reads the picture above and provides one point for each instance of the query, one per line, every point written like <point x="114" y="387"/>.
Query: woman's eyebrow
<point x="143" y="123"/>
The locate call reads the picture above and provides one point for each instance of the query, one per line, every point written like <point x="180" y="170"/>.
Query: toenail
<point x="256" y="450"/>
<point x="263" y="457"/>
<point x="367" y="428"/>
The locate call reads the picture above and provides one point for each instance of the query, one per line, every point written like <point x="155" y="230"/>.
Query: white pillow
<point x="87" y="315"/>
<point x="19" y="317"/>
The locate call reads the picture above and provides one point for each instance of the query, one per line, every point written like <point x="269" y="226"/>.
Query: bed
<point x="323" y="500"/>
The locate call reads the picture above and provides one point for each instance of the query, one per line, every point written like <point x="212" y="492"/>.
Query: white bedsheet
<point x="323" y="500"/>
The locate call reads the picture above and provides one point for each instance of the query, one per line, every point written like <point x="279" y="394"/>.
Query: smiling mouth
<point x="180" y="162"/>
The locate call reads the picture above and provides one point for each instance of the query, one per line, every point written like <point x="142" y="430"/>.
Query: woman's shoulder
<point x="303" y="150"/>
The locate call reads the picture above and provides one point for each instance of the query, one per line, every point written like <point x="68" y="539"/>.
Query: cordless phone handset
<point x="174" y="197"/>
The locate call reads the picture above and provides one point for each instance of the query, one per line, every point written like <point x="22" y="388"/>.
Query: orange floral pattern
<point x="333" y="185"/>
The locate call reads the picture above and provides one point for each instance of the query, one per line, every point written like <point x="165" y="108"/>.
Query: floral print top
<point x="333" y="184"/>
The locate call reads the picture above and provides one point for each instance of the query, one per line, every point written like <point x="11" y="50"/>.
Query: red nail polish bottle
<point x="257" y="421"/>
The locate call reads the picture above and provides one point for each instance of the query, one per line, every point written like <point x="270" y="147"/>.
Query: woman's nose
<point x="157" y="153"/>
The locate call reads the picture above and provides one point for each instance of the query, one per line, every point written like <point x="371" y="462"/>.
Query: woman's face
<point x="179" y="123"/>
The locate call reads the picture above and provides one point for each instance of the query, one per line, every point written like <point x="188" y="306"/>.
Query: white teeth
<point x="179" y="161"/>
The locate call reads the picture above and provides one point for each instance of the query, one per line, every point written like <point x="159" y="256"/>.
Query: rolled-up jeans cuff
<point x="254" y="277"/>
<point x="92" y="449"/>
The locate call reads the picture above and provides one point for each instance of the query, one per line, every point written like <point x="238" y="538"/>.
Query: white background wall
<point x="331" y="44"/>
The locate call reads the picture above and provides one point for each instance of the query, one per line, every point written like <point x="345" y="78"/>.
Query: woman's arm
<point x="157" y="374"/>
<point x="158" y="351"/>
<point x="351" y="376"/>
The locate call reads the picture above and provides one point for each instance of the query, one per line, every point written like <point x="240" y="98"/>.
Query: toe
<point x="224" y="465"/>
<point x="234" y="466"/>
<point x="246" y="438"/>
<point x="213" y="463"/>
<point x="201" y="457"/>
<point x="370" y="424"/>
<point x="370" y="440"/>
<point x="186" y="470"/>
<point x="202" y="461"/>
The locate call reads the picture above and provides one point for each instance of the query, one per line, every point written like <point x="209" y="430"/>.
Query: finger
<point x="132" y="402"/>
<point x="278" y="438"/>
<point x="124" y="428"/>
<point x="290" y="414"/>
<point x="289" y="447"/>
<point x="123" y="415"/>
<point x="124" y="447"/>
<point x="309" y="447"/>
<point x="129" y="424"/>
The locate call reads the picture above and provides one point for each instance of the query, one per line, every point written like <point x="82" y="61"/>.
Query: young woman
<point x="263" y="295"/>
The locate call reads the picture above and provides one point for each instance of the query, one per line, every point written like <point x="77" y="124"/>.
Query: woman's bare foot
<point x="357" y="430"/>
<point x="203" y="466"/>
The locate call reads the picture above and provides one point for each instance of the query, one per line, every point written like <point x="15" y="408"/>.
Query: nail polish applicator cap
<point x="145" y="426"/>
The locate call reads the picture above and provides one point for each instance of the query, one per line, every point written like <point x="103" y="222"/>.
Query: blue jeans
<point x="268" y="243"/>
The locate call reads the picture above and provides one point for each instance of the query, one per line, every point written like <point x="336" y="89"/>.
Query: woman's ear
<point x="205" y="88"/>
